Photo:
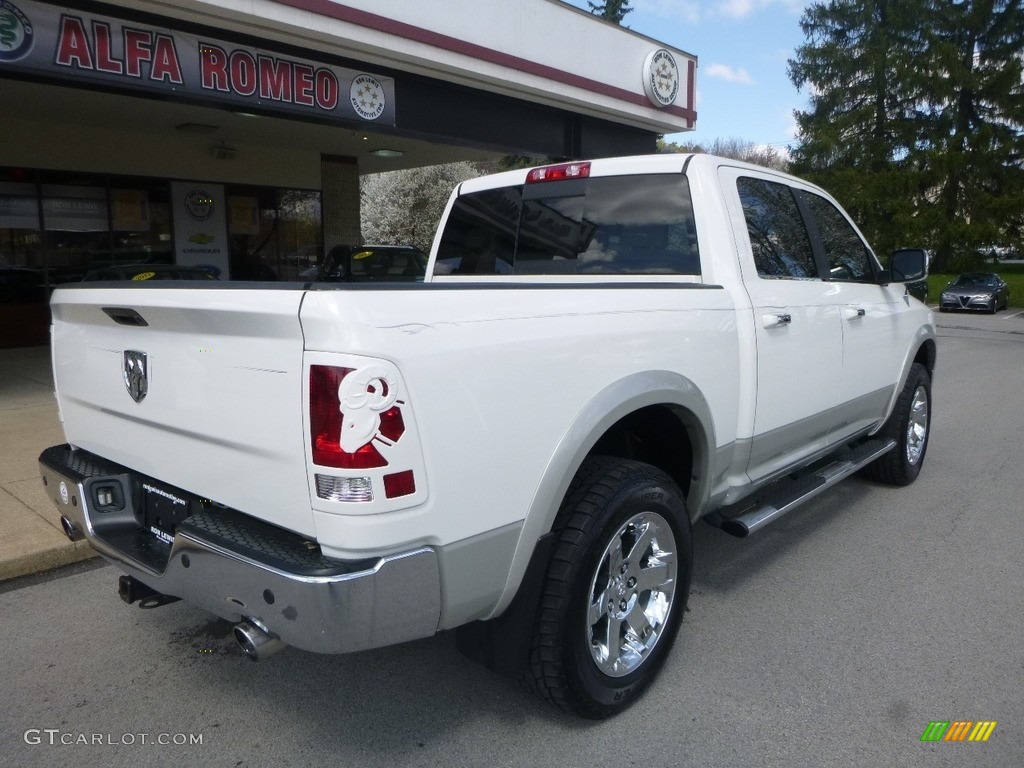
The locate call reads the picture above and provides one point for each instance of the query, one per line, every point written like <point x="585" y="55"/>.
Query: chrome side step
<point x="772" y="502"/>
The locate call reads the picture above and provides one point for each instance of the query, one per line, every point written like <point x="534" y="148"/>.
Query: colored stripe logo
<point x="958" y="730"/>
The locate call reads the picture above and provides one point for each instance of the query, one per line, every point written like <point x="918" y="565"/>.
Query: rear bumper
<point x="238" y="567"/>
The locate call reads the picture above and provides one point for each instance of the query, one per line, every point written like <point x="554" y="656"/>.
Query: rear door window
<point x="778" y="237"/>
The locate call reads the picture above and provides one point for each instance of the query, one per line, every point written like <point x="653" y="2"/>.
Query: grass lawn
<point x="1013" y="274"/>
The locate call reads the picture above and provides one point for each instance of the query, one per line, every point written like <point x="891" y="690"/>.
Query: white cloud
<point x="729" y="74"/>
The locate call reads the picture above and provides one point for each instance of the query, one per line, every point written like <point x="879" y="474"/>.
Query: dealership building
<point x="233" y="133"/>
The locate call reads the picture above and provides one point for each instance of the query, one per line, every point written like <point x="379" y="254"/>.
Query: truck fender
<point x="603" y="411"/>
<point x="923" y="350"/>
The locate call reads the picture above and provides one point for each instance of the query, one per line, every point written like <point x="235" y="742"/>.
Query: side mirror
<point x="906" y="266"/>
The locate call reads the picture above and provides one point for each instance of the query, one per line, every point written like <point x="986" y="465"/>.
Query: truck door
<point x="874" y="341"/>
<point x="797" y="323"/>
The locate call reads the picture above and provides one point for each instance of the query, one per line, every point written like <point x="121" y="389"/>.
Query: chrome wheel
<point x="917" y="426"/>
<point x="631" y="594"/>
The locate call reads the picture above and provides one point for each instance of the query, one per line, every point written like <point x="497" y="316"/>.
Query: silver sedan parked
<point x="983" y="291"/>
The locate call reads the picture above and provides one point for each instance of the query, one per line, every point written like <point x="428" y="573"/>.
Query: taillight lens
<point x="325" y="423"/>
<point x="558" y="172"/>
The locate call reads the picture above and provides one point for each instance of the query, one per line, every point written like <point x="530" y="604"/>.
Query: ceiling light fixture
<point x="387" y="152"/>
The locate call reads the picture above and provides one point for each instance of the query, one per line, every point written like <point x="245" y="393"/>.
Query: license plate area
<point x="163" y="510"/>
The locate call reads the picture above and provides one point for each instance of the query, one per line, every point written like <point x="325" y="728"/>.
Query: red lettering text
<point x="137" y="49"/>
<point x="243" y="73"/>
<point x="73" y="44"/>
<point x="275" y="79"/>
<point x="303" y="84"/>
<point x="327" y="89"/>
<point x="165" y="60"/>
<point x="213" y="67"/>
<point x="105" y="61"/>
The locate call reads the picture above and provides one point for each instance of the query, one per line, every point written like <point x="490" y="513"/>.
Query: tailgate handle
<point x="124" y="316"/>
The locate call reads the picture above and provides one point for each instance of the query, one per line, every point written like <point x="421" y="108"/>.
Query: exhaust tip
<point x="72" y="531"/>
<point x="256" y="643"/>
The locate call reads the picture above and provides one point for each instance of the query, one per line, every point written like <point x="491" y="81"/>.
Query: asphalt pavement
<point x="834" y="637"/>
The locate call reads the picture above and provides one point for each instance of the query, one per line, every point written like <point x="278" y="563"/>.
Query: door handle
<point x="775" y="321"/>
<point x="852" y="313"/>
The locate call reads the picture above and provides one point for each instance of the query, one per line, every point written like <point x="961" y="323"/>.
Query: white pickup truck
<point x="601" y="354"/>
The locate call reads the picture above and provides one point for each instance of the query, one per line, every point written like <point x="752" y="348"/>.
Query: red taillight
<point x="325" y="423"/>
<point x="558" y="172"/>
<point x="399" y="484"/>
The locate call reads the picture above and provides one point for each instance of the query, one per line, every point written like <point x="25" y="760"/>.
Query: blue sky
<point x="742" y="46"/>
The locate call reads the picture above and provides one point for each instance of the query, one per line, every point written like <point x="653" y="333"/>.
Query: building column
<point x="339" y="184"/>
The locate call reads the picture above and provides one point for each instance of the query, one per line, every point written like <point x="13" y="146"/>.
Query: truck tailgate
<point x="221" y="414"/>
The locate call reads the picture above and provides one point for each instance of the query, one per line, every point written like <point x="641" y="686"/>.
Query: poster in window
<point x="131" y="210"/>
<point x="200" y="225"/>
<point x="243" y="215"/>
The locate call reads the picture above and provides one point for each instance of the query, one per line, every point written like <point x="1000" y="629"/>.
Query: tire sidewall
<point x="918" y="378"/>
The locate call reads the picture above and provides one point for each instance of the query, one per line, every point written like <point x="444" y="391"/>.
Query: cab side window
<point x="848" y="257"/>
<point x="778" y="237"/>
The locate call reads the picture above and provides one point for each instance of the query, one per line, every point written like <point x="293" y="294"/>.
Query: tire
<point x="910" y="426"/>
<point x="600" y="636"/>
<point x="995" y="305"/>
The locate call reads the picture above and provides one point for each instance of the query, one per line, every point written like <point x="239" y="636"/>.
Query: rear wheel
<point x="615" y="590"/>
<point x="909" y="425"/>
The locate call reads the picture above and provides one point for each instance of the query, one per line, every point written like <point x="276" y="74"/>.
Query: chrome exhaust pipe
<point x="255" y="641"/>
<point x="72" y="531"/>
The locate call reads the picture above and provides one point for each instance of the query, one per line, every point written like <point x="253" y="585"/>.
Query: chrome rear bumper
<point x="240" y="568"/>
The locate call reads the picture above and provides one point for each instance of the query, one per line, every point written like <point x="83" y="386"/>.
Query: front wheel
<point x="615" y="590"/>
<point x="909" y="425"/>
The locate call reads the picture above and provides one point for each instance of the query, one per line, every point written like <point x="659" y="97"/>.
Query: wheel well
<point x="656" y="435"/>
<point x="926" y="356"/>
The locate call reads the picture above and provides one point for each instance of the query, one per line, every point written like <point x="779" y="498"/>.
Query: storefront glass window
<point x="24" y="315"/>
<point x="274" y="234"/>
<point x="76" y="224"/>
<point x="140" y="215"/>
<point x="299" y="233"/>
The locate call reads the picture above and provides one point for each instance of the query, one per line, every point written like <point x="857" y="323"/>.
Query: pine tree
<point x="613" y="10"/>
<point x="858" y="63"/>
<point x="916" y="118"/>
<point x="974" y="149"/>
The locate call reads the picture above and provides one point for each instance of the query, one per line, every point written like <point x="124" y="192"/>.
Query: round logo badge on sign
<point x="367" y="97"/>
<point x="199" y="205"/>
<point x="16" y="33"/>
<point x="661" y="78"/>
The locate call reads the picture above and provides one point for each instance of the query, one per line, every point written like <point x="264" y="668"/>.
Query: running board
<point x="745" y="517"/>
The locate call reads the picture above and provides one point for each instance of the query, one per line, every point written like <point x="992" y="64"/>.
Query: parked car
<point x="151" y="272"/>
<point x="363" y="263"/>
<point x="976" y="290"/>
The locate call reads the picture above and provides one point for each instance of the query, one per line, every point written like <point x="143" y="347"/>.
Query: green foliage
<point x="916" y="116"/>
<point x="613" y="10"/>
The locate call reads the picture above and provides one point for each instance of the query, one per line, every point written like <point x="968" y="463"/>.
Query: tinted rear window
<point x="612" y="225"/>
